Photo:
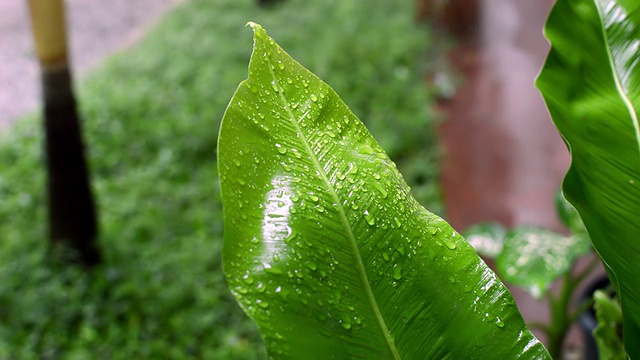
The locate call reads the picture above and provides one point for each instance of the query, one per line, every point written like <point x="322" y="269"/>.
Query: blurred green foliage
<point x="151" y="120"/>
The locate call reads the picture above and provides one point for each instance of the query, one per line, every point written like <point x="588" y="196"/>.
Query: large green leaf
<point x="591" y="84"/>
<point x="326" y="249"/>
<point x="534" y="258"/>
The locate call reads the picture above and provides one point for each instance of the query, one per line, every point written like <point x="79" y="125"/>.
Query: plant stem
<point x="561" y="317"/>
<point x="557" y="329"/>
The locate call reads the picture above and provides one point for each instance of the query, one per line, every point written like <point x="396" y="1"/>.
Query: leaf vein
<point x="345" y="221"/>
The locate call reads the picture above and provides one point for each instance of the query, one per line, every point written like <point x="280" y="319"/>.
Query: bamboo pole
<point x="71" y="211"/>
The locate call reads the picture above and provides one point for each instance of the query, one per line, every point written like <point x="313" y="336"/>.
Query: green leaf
<point x="608" y="333"/>
<point x="487" y="238"/>
<point x="326" y="249"/>
<point x="534" y="258"/>
<point x="591" y="84"/>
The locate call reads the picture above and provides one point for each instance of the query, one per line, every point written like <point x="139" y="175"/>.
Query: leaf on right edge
<point x="591" y="85"/>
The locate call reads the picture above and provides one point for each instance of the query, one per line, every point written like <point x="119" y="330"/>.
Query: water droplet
<point x="381" y="189"/>
<point x="345" y="323"/>
<point x="311" y="265"/>
<point x="499" y="322"/>
<point x="353" y="169"/>
<point x="398" y="223"/>
<point x="385" y="256"/>
<point x="449" y="244"/>
<point x="262" y="304"/>
<point x="397" y="273"/>
<point x="275" y="86"/>
<point x="273" y="270"/>
<point x="280" y="64"/>
<point x="314" y="98"/>
<point x="241" y="181"/>
<point x="281" y="149"/>
<point x="314" y="198"/>
<point x="261" y="115"/>
<point x="376" y="176"/>
<point x="294" y="198"/>
<point x="365" y="149"/>
<point x="237" y="162"/>
<point x="370" y="219"/>
<point x="247" y="279"/>
<point x="355" y="206"/>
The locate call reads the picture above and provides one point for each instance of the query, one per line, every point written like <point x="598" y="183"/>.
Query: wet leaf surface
<point x="591" y="84"/>
<point x="326" y="248"/>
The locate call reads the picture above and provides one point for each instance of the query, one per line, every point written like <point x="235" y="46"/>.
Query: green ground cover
<point x="152" y="115"/>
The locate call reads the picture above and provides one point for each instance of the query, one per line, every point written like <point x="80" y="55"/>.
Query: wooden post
<point x="71" y="210"/>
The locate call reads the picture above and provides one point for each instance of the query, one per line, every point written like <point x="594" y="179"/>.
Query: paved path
<point x="97" y="28"/>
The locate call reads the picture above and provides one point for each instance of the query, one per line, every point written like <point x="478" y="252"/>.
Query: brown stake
<point x="71" y="209"/>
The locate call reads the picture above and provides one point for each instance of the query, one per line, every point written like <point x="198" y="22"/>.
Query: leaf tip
<point x="258" y="30"/>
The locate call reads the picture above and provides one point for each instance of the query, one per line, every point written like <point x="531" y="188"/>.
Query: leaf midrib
<point x="616" y="77"/>
<point x="345" y="222"/>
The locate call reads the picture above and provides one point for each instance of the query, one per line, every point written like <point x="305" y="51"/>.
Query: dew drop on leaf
<point x="397" y="273"/>
<point x="281" y="149"/>
<point x="383" y="192"/>
<point x="370" y="219"/>
<point x="247" y="279"/>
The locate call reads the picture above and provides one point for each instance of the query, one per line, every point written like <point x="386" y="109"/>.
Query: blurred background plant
<point x="534" y="258"/>
<point x="151" y="119"/>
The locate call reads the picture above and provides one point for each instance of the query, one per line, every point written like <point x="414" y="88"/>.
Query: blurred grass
<point x="151" y="119"/>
